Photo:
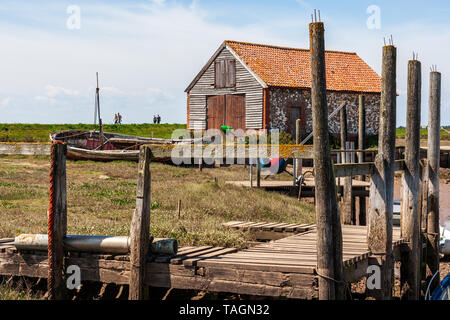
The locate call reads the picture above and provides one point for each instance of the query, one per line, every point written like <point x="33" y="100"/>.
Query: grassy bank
<point x="18" y="132"/>
<point x="445" y="134"/>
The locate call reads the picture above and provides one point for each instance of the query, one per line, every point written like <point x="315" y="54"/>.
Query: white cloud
<point x="303" y="3"/>
<point x="5" y="101"/>
<point x="52" y="91"/>
<point x="158" y="2"/>
<point x="150" y="53"/>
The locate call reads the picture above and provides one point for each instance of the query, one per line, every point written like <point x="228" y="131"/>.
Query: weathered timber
<point x="329" y="234"/>
<point x="57" y="222"/>
<point x="431" y="178"/>
<point x="140" y="229"/>
<point x="367" y="168"/>
<point x="409" y="221"/>
<point x="298" y="140"/>
<point x="382" y="182"/>
<point x="361" y="155"/>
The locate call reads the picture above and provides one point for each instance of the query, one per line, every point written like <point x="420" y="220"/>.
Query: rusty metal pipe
<point x="99" y="244"/>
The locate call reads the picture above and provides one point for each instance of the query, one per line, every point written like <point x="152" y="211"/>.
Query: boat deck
<point x="281" y="268"/>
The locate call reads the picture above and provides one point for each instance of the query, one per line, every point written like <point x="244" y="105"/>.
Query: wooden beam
<point x="431" y="178"/>
<point x="329" y="233"/>
<point x="367" y="168"/>
<point x="361" y="155"/>
<point x="347" y="190"/>
<point x="409" y="221"/>
<point x="57" y="222"/>
<point x="379" y="237"/>
<point x="140" y="228"/>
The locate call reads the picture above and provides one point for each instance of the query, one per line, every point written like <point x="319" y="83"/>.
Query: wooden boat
<point x="104" y="146"/>
<point x="91" y="145"/>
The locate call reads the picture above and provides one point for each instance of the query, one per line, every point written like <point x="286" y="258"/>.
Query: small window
<point x="225" y="73"/>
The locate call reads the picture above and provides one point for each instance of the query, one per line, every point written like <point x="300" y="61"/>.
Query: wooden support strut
<point x="329" y="233"/>
<point x="409" y="221"/>
<point x="361" y="155"/>
<point x="347" y="190"/>
<point x="140" y="229"/>
<point x="57" y="222"/>
<point x="379" y="238"/>
<point x="431" y="176"/>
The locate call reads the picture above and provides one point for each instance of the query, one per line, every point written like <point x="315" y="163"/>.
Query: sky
<point x="147" y="52"/>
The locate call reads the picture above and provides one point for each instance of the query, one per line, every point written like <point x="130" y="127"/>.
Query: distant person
<point x="116" y="118"/>
<point x="120" y="118"/>
<point x="158" y="119"/>
<point x="154" y="119"/>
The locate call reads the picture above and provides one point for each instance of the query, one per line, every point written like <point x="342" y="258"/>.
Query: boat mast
<point x="97" y="111"/>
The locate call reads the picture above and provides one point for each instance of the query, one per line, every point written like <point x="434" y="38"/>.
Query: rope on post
<point x="52" y="269"/>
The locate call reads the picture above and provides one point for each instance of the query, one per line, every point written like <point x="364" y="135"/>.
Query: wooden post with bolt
<point x="329" y="233"/>
<point x="431" y="176"/>
<point x="361" y="155"/>
<point x="347" y="211"/>
<point x="140" y="228"/>
<point x="57" y="222"/>
<point x="409" y="221"/>
<point x="379" y="238"/>
<point x="298" y="137"/>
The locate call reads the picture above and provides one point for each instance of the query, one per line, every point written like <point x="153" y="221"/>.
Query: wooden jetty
<point x="282" y="268"/>
<point x="263" y="231"/>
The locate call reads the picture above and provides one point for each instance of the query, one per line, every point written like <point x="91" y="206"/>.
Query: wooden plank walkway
<point x="281" y="268"/>
<point x="269" y="230"/>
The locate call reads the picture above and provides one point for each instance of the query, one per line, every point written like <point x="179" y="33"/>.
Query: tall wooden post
<point x="347" y="191"/>
<point x="140" y="228"/>
<point x="298" y="137"/>
<point x="258" y="175"/>
<point x="410" y="226"/>
<point x="329" y="233"/>
<point x="431" y="179"/>
<point x="57" y="222"/>
<point x="361" y="146"/>
<point x="251" y="173"/>
<point x="379" y="236"/>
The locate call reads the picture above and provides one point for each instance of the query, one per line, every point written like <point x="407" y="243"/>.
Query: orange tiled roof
<point x="289" y="67"/>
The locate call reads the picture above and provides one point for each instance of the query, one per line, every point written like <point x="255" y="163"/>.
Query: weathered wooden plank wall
<point x="245" y="84"/>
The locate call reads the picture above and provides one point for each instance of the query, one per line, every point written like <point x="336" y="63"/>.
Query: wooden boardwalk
<point x="269" y="230"/>
<point x="281" y="268"/>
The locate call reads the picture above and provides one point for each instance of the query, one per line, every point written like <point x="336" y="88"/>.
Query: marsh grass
<point x="23" y="132"/>
<point x="101" y="200"/>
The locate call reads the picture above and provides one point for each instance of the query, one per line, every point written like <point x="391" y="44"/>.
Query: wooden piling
<point x="361" y="127"/>
<point x="140" y="228"/>
<point x="251" y="174"/>
<point x="382" y="181"/>
<point x="347" y="190"/>
<point x="329" y="233"/>
<point x="57" y="222"/>
<point x="431" y="179"/>
<point x="258" y="175"/>
<point x="361" y="155"/>
<point x="298" y="140"/>
<point x="409" y="221"/>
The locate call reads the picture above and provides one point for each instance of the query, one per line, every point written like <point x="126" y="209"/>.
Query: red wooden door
<point x="235" y="111"/>
<point x="216" y="111"/>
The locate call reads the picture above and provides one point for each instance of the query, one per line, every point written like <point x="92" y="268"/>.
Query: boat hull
<point x="87" y="145"/>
